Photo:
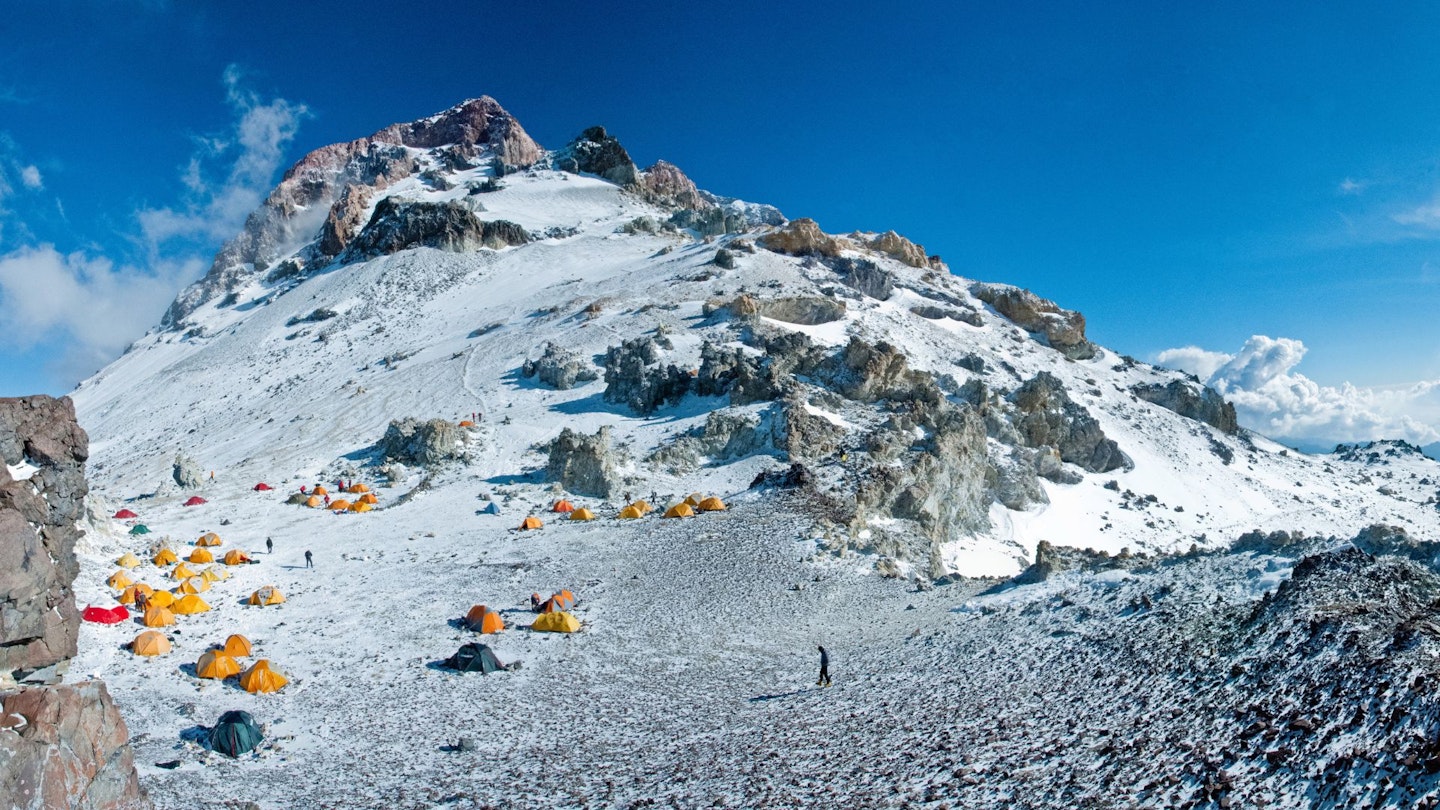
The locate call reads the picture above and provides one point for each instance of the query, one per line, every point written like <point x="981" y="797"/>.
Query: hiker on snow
<point x="824" y="668"/>
<point x="309" y="563"/>
<point x="269" y="546"/>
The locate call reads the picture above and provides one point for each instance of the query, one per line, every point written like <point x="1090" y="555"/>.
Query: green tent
<point x="475" y="658"/>
<point x="235" y="734"/>
<point x="140" y="528"/>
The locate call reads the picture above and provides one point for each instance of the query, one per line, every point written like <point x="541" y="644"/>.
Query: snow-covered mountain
<point x="615" y="333"/>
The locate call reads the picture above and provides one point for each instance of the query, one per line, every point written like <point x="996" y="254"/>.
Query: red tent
<point x="114" y="615"/>
<point x="263" y="487"/>
<point x="195" y="500"/>
<point x="125" y="514"/>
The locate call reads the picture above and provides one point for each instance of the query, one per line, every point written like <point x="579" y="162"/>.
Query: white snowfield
<point x="692" y="681"/>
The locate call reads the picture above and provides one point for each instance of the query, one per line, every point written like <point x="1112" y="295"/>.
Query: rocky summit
<point x="1046" y="574"/>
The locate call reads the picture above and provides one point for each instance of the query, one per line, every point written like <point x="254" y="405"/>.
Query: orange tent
<point x="267" y="595"/>
<point x="261" y="678"/>
<point x="128" y="561"/>
<point x="369" y="498"/>
<point x="338" y="506"/>
<point x="156" y="616"/>
<point x="563" y="505"/>
<point x="644" y="506"/>
<point x="237" y="646"/>
<point x="216" y="664"/>
<point x="356" y="489"/>
<point x="200" y="555"/>
<point x="162" y="599"/>
<point x="711" y="504"/>
<point x="483" y="620"/>
<point x="119" y="581"/>
<point x="189" y="604"/>
<point x="150" y="642"/>
<point x="694" y="499"/>
<point x="361" y="506"/>
<point x="319" y="491"/>
<point x="531" y="522"/>
<point x="236" y="557"/>
<point x="314" y="502"/>
<point x="208" y="539"/>
<point x="165" y="557"/>
<point x="466" y="423"/>
<point x="680" y="510"/>
<point x="582" y="514"/>
<point x="127" y="597"/>
<point x="182" y="571"/>
<point x="567" y="597"/>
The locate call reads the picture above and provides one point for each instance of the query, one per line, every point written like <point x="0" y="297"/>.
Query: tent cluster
<point x="689" y="507"/>
<point x="555" y="615"/>
<point x="223" y="662"/>
<point x="160" y="606"/>
<point x="319" y="498"/>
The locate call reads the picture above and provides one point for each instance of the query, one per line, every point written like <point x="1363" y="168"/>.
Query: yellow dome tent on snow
<point x="531" y="522"/>
<point x="149" y="643"/>
<point x="164" y="557"/>
<point x="127" y="596"/>
<point x="193" y="585"/>
<point x="644" y="506"/>
<point x="712" y="504"/>
<point x="190" y="604"/>
<point x="236" y="557"/>
<point x="267" y="595"/>
<point x="217" y="665"/>
<point x="162" y="599"/>
<point x="631" y="512"/>
<point x="357" y="489"/>
<point x="582" y="514"/>
<point x="182" y="571"/>
<point x="200" y="555"/>
<point x="237" y="646"/>
<point x="128" y="560"/>
<point x="261" y="678"/>
<point x="680" y="510"/>
<point x="157" y="616"/>
<point x="314" y="502"/>
<point x="369" y="498"/>
<point x="361" y="506"/>
<point x="558" y="622"/>
<point x="208" y="539"/>
<point x="119" y="581"/>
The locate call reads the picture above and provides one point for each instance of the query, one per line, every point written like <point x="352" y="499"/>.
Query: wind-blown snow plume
<point x="1272" y="398"/>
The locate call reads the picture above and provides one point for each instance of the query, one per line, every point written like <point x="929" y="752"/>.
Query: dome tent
<point x="235" y="733"/>
<point x="474" y="657"/>
<point x="216" y="665"/>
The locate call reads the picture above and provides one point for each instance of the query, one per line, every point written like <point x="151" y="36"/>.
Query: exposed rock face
<point x="186" y="472"/>
<point x="559" y="369"/>
<point x="865" y="276"/>
<point x="66" y="747"/>
<point x="898" y="247"/>
<point x="293" y="212"/>
<point x="425" y="444"/>
<point x="629" y="379"/>
<point x="804" y="436"/>
<point x="803" y="237"/>
<point x="1063" y="329"/>
<point x="666" y="185"/>
<point x="1051" y="560"/>
<point x="879" y="371"/>
<point x="397" y="225"/>
<point x="1048" y="417"/>
<point x="1192" y="401"/>
<point x="584" y="465"/>
<point x="725" y="435"/>
<point x="38" y="619"/>
<point x="345" y="218"/>
<point x="804" y="310"/>
<point x="599" y="153"/>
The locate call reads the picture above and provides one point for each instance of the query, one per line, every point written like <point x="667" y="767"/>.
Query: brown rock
<point x="665" y="184"/>
<point x="1063" y="329"/>
<point x="898" y="247"/>
<point x="346" y="218"/>
<point x="803" y="237"/>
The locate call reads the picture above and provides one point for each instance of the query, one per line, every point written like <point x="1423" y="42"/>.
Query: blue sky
<point x="1257" y="188"/>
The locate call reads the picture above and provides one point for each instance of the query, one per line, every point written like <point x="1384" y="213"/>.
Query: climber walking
<point x="269" y="546"/>
<point x="824" y="668"/>
<point x="310" y="561"/>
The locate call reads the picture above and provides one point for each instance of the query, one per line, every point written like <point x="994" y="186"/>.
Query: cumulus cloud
<point x="30" y="176"/>
<point x="1272" y="398"/>
<point x="253" y="151"/>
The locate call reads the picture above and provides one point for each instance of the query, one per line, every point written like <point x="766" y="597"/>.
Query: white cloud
<point x="1271" y="398"/>
<point x="254" y="148"/>
<point x="30" y="176"/>
<point x="1426" y="216"/>
<point x="1350" y="187"/>
<point x="84" y="304"/>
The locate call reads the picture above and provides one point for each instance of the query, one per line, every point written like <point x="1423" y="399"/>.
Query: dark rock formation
<point x="66" y="747"/>
<point x="1192" y="401"/>
<point x="864" y="275"/>
<point x="584" y="465"/>
<point x="803" y="237"/>
<point x="425" y="444"/>
<point x="630" y="381"/>
<point x="38" y="619"/>
<point x="1048" y="417"/>
<point x="559" y="369"/>
<point x="397" y="225"/>
<point x="1063" y="330"/>
<point x="870" y="372"/>
<point x="599" y="153"/>
<point x="345" y="218"/>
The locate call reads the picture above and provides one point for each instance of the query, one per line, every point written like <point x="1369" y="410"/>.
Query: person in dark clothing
<point x="309" y="562"/>
<point x="824" y="668"/>
<point x="535" y="603"/>
<point x="269" y="546"/>
<point x="141" y="601"/>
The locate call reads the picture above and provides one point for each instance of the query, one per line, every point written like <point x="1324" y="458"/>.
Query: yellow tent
<point x="200" y="555"/>
<point x="189" y="604"/>
<point x="119" y="581"/>
<point x="712" y="504"/>
<point x="582" y="514"/>
<point x="157" y="616"/>
<point x="338" y="506"/>
<point x="357" y="489"/>
<point x="162" y="599"/>
<point x="182" y="571"/>
<point x="531" y="522"/>
<point x="268" y="595"/>
<point x="194" y="585"/>
<point x="213" y="574"/>
<point x="369" y="498"/>
<point x="261" y="678"/>
<point x="165" y="557"/>
<point x="361" y="506"/>
<point x="558" y="622"/>
<point x="237" y="646"/>
<point x="216" y="664"/>
<point x="128" y="561"/>
<point x="150" y="642"/>
<point x="644" y="506"/>
<point x="631" y="512"/>
<point x="236" y="557"/>
<point x="208" y="539"/>
<point x="680" y="510"/>
<point x="314" y="502"/>
<point x="127" y="597"/>
<point x="694" y="499"/>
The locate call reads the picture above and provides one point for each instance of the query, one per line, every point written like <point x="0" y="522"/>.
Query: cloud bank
<point x="1270" y="397"/>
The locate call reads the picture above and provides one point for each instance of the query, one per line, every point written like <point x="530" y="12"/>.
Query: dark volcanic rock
<point x="864" y="275"/>
<point x="629" y="379"/>
<point x="1047" y="416"/>
<point x="38" y="619"/>
<point x="1192" y="401"/>
<point x="599" y="153"/>
<point x="1063" y="329"/>
<point x="397" y="225"/>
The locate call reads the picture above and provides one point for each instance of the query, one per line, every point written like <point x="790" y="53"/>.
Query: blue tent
<point x="490" y="509"/>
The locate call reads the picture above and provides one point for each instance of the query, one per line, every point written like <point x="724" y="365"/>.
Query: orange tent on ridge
<point x="157" y="616"/>
<point x="150" y="642"/>
<point x="237" y="646"/>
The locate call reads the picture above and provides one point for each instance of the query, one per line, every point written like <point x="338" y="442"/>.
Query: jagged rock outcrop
<point x="295" y="210"/>
<point x="425" y="444"/>
<point x="898" y="247"/>
<point x="1063" y="329"/>
<point x="631" y="381"/>
<point x="805" y="310"/>
<point x="725" y="435"/>
<point x="1192" y="401"/>
<point x="599" y="153"/>
<point x="803" y="237"/>
<point x="664" y="184"/>
<point x="1051" y="560"/>
<point x="865" y="276"/>
<point x="38" y="514"/>
<point x="584" y="465"/>
<point x="346" y="216"/>
<point x="871" y="372"/>
<point x="805" y="436"/>
<point x="66" y="747"/>
<point x="559" y="369"/>
<point x="186" y="472"/>
<point x="398" y="224"/>
<point x="1046" y="416"/>
<point x="746" y="377"/>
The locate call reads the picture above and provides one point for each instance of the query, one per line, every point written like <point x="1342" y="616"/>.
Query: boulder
<point x="807" y="310"/>
<point x="187" y="472"/>
<point x="584" y="465"/>
<point x="424" y="444"/>
<point x="1192" y="401"/>
<point x="1063" y="329"/>
<point x="559" y="369"/>
<point x="865" y="276"/>
<point x="664" y="184"/>
<point x="1046" y="416"/>
<point x="803" y="237"/>
<point x="899" y="248"/>
<point x="599" y="153"/>
<point x="66" y="747"/>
